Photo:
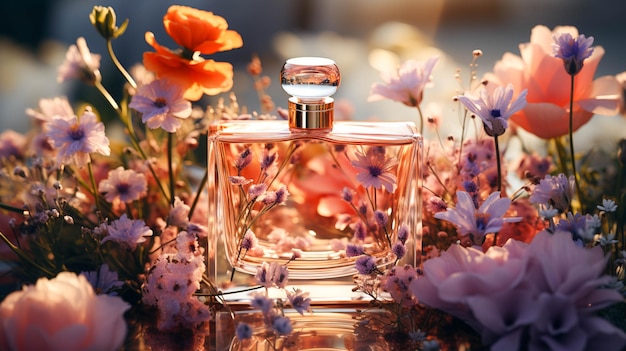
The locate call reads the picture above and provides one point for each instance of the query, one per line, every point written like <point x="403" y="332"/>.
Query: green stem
<point x="203" y="182"/>
<point x="94" y="187"/>
<point x="498" y="163"/>
<point x="107" y="96"/>
<point x="170" y="165"/>
<point x="23" y="256"/>
<point x="421" y="119"/>
<point x="119" y="66"/>
<point x="571" y="142"/>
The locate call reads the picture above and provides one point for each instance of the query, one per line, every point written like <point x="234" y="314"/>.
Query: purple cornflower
<point x="80" y="63"/>
<point x="398" y="249"/>
<point x="366" y="265"/>
<point x="262" y="302"/>
<point x="407" y="84"/>
<point x="244" y="331"/>
<point x="375" y="170"/>
<point x="127" y="232"/>
<point x="249" y="240"/>
<point x="282" y="325"/>
<point x="573" y="51"/>
<point x="162" y="105"/>
<point x="353" y="250"/>
<point x="75" y="139"/>
<point x="554" y="191"/>
<point x="124" y="185"/>
<point x="256" y="190"/>
<point x="243" y="160"/>
<point x="478" y="222"/>
<point x="495" y="109"/>
<point x="403" y="233"/>
<point x="299" y="300"/>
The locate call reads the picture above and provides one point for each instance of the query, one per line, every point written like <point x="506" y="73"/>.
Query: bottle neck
<point x="311" y="115"/>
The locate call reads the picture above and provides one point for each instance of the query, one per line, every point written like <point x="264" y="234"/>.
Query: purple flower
<point x="244" y="331"/>
<point x="80" y="63"/>
<point x="249" y="240"/>
<point x="398" y="249"/>
<point x="360" y="230"/>
<point x="162" y="105"/>
<point x="243" y="160"/>
<point x="179" y="213"/>
<point x="256" y="190"/>
<point x="104" y="280"/>
<point x="381" y="218"/>
<point x="403" y="233"/>
<point x="239" y="180"/>
<point x="127" y="232"/>
<point x="282" y="325"/>
<point x="582" y="227"/>
<point x="49" y="108"/>
<point x="366" y="265"/>
<point x="478" y="222"/>
<point x="495" y="109"/>
<point x="554" y="191"/>
<point x="354" y="250"/>
<point x="262" y="302"/>
<point x="573" y="51"/>
<point x="76" y="139"/>
<point x="347" y="194"/>
<point x="375" y="170"/>
<point x="299" y="300"/>
<point x="124" y="185"/>
<point x="407" y="84"/>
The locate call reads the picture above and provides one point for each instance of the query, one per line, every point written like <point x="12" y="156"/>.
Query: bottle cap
<point x="310" y="81"/>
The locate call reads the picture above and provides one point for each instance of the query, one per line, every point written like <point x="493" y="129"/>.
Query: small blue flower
<point x="573" y="51"/>
<point x="244" y="331"/>
<point x="282" y="325"/>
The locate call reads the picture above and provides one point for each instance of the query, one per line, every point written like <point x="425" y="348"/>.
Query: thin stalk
<point x="421" y="119"/>
<point x="119" y="66"/>
<point x="498" y="163"/>
<point x="571" y="142"/>
<point x="203" y="182"/>
<point x="94" y="187"/>
<point x="170" y="165"/>
<point x="105" y="93"/>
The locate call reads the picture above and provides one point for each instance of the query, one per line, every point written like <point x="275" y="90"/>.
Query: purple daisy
<point x="375" y="169"/>
<point x="75" y="139"/>
<point x="162" y="105"/>
<point x="123" y="185"/>
<point x="127" y="232"/>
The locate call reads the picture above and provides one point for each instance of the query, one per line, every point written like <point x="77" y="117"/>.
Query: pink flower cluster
<point x="544" y="294"/>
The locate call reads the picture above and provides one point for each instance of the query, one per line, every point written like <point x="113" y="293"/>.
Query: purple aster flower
<point x="573" y="51"/>
<point x="495" y="109"/>
<point x="249" y="240"/>
<point x="347" y="194"/>
<point x="407" y="84"/>
<point x="299" y="300"/>
<point x="375" y="170"/>
<point x="123" y="185"/>
<point x="282" y="325"/>
<point x="554" y="191"/>
<point x="75" y="139"/>
<point x="354" y="250"/>
<point x="360" y="230"/>
<point x="366" y="265"/>
<point x="80" y="63"/>
<point x="244" y="331"/>
<point x="478" y="222"/>
<point x="162" y="105"/>
<point x="127" y="232"/>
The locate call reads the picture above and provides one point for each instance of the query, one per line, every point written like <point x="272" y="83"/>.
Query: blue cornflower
<point x="282" y="325"/>
<point x="244" y="331"/>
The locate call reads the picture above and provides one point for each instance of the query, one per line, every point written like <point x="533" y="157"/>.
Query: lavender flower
<point x="360" y="230"/>
<point x="123" y="185"/>
<point x="381" y="218"/>
<point x="249" y="240"/>
<point x="76" y="139"/>
<point x="162" y="105"/>
<point x="262" y="302"/>
<point x="354" y="250"/>
<point x="347" y="194"/>
<point x="398" y="249"/>
<point x="582" y="227"/>
<point x="243" y="160"/>
<point x="239" y="180"/>
<point x="104" y="281"/>
<point x="495" y="109"/>
<point x="403" y="233"/>
<point x="256" y="190"/>
<point x="179" y="213"/>
<point x="478" y="222"/>
<point x="80" y="63"/>
<point x="573" y="51"/>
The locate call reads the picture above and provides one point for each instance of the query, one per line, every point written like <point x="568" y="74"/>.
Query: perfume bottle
<point x="310" y="192"/>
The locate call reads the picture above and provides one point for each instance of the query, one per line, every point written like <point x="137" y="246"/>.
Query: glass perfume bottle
<point x="308" y="191"/>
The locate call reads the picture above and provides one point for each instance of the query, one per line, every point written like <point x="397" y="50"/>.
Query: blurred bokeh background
<point x="362" y="36"/>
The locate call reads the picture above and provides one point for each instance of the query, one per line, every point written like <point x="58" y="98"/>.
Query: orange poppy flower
<point x="196" y="76"/>
<point x="200" y="31"/>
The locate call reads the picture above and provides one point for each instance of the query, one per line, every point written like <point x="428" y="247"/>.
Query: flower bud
<point x="103" y="19"/>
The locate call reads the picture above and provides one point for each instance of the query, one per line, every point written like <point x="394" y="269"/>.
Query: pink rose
<point x="546" y="114"/>
<point x="63" y="313"/>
